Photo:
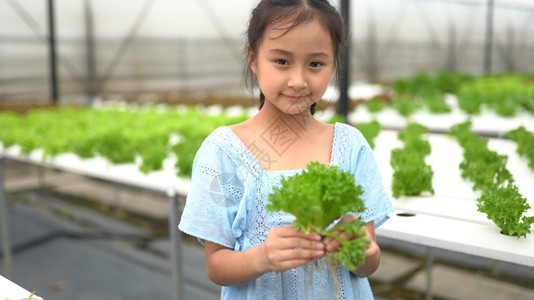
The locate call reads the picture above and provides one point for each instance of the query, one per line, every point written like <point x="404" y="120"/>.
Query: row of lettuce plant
<point x="525" y="144"/>
<point x="501" y="200"/>
<point x="143" y="136"/>
<point x="412" y="176"/>
<point x="503" y="93"/>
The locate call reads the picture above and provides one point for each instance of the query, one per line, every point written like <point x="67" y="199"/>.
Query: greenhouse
<point x="104" y="105"/>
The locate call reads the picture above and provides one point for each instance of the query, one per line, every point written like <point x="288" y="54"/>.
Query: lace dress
<point x="226" y="205"/>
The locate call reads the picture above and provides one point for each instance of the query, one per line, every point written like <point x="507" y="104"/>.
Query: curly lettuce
<point x="318" y="197"/>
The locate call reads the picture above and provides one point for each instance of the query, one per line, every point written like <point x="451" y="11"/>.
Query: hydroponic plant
<point x="500" y="199"/>
<point x="370" y="131"/>
<point x="375" y="105"/>
<point x="506" y="207"/>
<point x="425" y="84"/>
<point x="406" y="106"/>
<point x="503" y="94"/>
<point x="525" y="143"/>
<point x="411" y="175"/>
<point x="480" y="165"/>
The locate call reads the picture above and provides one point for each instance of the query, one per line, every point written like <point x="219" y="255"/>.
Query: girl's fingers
<point x="287" y="248"/>
<point x="332" y="244"/>
<point x="289" y="238"/>
<point x="300" y="254"/>
<point x="289" y="231"/>
<point x="286" y="259"/>
<point x="298" y="243"/>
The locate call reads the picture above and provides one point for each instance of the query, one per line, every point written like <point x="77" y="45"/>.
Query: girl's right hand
<point x="286" y="248"/>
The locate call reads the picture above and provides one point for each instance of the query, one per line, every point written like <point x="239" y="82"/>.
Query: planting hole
<point x="406" y="214"/>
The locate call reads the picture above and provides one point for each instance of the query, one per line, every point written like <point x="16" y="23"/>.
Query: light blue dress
<point x="226" y="205"/>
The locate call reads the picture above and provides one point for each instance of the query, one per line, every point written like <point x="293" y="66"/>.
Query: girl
<point x="293" y="49"/>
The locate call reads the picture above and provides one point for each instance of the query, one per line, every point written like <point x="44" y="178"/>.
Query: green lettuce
<point x="318" y="197"/>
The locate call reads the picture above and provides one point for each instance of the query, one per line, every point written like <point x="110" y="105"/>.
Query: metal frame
<point x="6" y="245"/>
<point x="176" y="240"/>
<point x="429" y="268"/>
<point x="54" y="90"/>
<point x="343" y="106"/>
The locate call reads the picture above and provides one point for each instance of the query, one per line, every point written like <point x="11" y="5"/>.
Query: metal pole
<point x="176" y="243"/>
<point x="489" y="37"/>
<point x="54" y="92"/>
<point x="429" y="267"/>
<point x="6" y="246"/>
<point x="343" y="105"/>
<point x="90" y="52"/>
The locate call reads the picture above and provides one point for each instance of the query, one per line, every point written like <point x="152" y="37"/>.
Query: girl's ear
<point x="251" y="59"/>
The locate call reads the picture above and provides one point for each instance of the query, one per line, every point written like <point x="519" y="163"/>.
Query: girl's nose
<point x="297" y="79"/>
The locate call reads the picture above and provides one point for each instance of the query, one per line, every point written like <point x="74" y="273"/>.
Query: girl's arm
<point x="284" y="248"/>
<point x="372" y="253"/>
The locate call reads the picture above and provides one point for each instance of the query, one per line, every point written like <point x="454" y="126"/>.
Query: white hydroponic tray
<point x="101" y="168"/>
<point x="10" y="290"/>
<point x="449" y="219"/>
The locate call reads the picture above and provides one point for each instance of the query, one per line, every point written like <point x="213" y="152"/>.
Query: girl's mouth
<point x="296" y="98"/>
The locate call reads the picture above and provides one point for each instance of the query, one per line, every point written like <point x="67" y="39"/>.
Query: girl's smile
<point x="296" y="98"/>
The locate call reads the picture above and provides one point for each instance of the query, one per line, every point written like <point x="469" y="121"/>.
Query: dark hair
<point x="300" y="12"/>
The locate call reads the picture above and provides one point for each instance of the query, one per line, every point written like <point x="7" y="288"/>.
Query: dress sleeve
<point x="213" y="200"/>
<point x="364" y="167"/>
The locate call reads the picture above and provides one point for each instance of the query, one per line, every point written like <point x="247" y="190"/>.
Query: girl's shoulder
<point x="219" y="148"/>
<point x="218" y="134"/>
<point x="349" y="133"/>
<point x="219" y="141"/>
<point x="223" y="140"/>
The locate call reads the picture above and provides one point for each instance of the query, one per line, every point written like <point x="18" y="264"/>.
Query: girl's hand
<point x="286" y="248"/>
<point x="331" y="243"/>
<point x="372" y="252"/>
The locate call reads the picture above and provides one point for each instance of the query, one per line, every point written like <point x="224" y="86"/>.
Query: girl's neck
<point x="301" y="123"/>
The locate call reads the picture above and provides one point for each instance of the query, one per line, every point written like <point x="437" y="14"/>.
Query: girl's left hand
<point x="372" y="252"/>
<point x="332" y="244"/>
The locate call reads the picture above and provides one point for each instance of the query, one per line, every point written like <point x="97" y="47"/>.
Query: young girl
<point x="293" y="49"/>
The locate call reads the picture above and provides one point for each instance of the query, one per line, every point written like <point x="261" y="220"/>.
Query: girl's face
<point x="293" y="68"/>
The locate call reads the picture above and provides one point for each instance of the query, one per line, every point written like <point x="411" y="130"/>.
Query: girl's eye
<point x="281" y="62"/>
<point x="315" y="64"/>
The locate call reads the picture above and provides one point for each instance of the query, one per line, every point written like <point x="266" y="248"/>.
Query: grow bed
<point x="449" y="219"/>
